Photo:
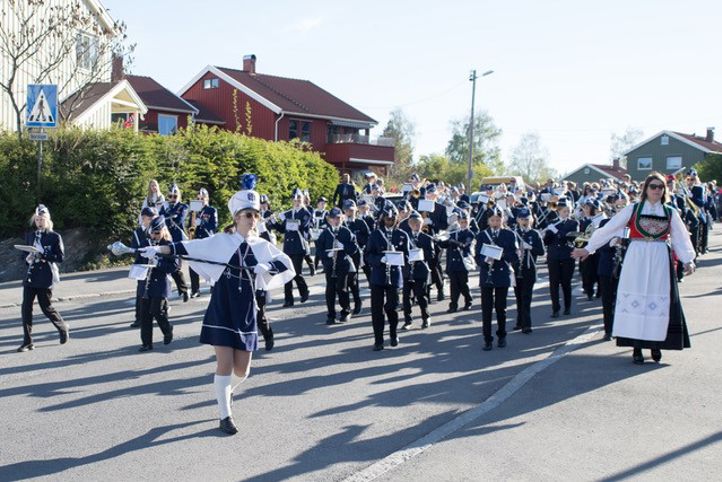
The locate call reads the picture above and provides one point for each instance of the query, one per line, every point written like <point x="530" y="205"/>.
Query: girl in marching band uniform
<point x="238" y="265"/>
<point x="558" y="238"/>
<point x="648" y="313"/>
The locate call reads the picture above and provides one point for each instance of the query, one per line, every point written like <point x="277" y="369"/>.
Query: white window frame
<point x="86" y="50"/>
<point x="211" y="83"/>
<point x="677" y="165"/>
<point x="664" y="140"/>
<point x="174" y="117"/>
<point x="651" y="164"/>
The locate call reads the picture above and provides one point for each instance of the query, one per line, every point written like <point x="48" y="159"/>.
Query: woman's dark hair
<point x="655" y="176"/>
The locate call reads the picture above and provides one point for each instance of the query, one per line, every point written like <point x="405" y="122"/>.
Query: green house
<point x="596" y="172"/>
<point x="669" y="152"/>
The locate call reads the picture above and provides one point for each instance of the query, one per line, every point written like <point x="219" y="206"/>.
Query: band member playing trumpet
<point x="387" y="251"/>
<point x="558" y="238"/>
<point x="336" y="246"/>
<point x="495" y="275"/>
<point x="41" y="276"/>
<point x="530" y="246"/>
<point x="205" y="224"/>
<point x="416" y="272"/>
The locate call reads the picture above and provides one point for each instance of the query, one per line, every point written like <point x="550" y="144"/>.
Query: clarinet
<point x="390" y="247"/>
<point x="148" y="276"/>
<point x="335" y="255"/>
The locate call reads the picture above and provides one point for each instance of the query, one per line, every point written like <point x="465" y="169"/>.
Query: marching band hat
<point x="389" y="210"/>
<point x="524" y="201"/>
<point x="562" y="203"/>
<point x="246" y="198"/>
<point x="42" y="210"/>
<point x="463" y="205"/>
<point x="174" y="189"/>
<point x="692" y="171"/>
<point x="523" y="213"/>
<point x="322" y="198"/>
<point x="263" y="199"/>
<point x="593" y="202"/>
<point x="203" y="192"/>
<point x="496" y="211"/>
<point x="157" y="223"/>
<point x="361" y="202"/>
<point x="415" y="177"/>
<point x="349" y="204"/>
<point x="297" y="194"/>
<point x="415" y="215"/>
<point x="463" y="214"/>
<point x="149" y="211"/>
<point x="431" y="188"/>
<point x="370" y="174"/>
<point x="334" y="213"/>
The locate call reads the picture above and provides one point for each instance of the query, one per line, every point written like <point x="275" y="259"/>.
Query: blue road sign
<point x="42" y="105"/>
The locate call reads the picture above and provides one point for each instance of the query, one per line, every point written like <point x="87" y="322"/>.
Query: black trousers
<point x="384" y="300"/>
<point x="195" y="281"/>
<point x="608" y="287"/>
<point x="44" y="296"/>
<point x="353" y="282"/>
<point x="261" y="319"/>
<point x="588" y="268"/>
<point x="336" y="287"/>
<point x="419" y="290"/>
<point x="437" y="276"/>
<point x="138" y="297"/>
<point x="523" y="292"/>
<point x="180" y="280"/>
<point x="153" y="308"/>
<point x="297" y="260"/>
<point x="561" y="273"/>
<point x="493" y="298"/>
<point x="458" y="285"/>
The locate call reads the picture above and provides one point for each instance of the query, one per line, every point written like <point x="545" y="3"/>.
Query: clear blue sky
<point x="573" y="71"/>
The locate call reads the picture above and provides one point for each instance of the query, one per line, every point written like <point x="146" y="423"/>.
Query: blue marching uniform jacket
<point x="208" y="217"/>
<point x="526" y="266"/>
<point x="175" y="219"/>
<point x="344" y="263"/>
<point x="158" y="285"/>
<point x="39" y="274"/>
<point x="457" y="247"/>
<point x="500" y="273"/>
<point x="295" y="242"/>
<point x="419" y="270"/>
<point x="559" y="244"/>
<point x="378" y="243"/>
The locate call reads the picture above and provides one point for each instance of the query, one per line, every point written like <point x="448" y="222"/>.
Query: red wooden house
<point x="279" y="108"/>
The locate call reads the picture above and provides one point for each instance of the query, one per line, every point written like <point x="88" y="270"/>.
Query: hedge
<point x="98" y="179"/>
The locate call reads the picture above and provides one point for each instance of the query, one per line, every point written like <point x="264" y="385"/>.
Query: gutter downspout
<point x="275" y="128"/>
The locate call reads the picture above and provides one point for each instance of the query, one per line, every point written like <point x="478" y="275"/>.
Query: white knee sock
<point x="223" y="389"/>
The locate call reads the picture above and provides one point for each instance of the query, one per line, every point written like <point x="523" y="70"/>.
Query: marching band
<point x="400" y="243"/>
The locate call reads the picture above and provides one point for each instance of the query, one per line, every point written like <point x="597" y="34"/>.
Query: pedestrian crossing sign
<point x="42" y="105"/>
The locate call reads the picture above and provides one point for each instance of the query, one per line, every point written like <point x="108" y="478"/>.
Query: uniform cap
<point x="349" y="204"/>
<point x="149" y="211"/>
<point x="334" y="213"/>
<point x="157" y="223"/>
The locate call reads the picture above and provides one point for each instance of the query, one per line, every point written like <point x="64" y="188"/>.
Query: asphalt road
<point x="558" y="404"/>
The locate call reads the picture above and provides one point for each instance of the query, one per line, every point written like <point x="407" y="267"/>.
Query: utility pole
<point x="469" y="171"/>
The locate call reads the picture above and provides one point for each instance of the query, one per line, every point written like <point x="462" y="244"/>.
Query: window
<point x="167" y="124"/>
<point x="306" y="132"/>
<point x="292" y="130"/>
<point x="664" y="140"/>
<point x="123" y="119"/>
<point x="587" y="170"/>
<point x="86" y="50"/>
<point x="210" y="83"/>
<point x="674" y="162"/>
<point x="644" y="163"/>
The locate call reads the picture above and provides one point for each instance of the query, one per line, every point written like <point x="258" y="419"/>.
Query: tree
<point x="710" y="168"/>
<point x="402" y="130"/>
<point x="619" y="144"/>
<point x="41" y="38"/>
<point x="529" y="159"/>
<point x="486" y="143"/>
<point x="438" y="166"/>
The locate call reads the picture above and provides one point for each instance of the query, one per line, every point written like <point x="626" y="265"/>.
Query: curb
<point x="63" y="299"/>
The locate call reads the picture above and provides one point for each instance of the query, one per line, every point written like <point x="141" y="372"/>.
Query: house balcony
<point x="353" y="152"/>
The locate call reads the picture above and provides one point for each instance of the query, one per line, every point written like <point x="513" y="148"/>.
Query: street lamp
<point x="469" y="173"/>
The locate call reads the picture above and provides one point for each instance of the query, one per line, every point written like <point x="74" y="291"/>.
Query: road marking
<point x="497" y="398"/>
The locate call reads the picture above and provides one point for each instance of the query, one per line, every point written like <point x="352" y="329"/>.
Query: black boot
<point x="637" y="356"/>
<point x="228" y="425"/>
<point x="656" y="354"/>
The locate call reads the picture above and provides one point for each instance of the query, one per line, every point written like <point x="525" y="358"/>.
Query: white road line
<point x="504" y="393"/>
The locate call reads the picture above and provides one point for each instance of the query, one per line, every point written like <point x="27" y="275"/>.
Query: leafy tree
<point x="402" y="130"/>
<point x="621" y="143"/>
<point x="438" y="166"/>
<point x="486" y="142"/>
<point x="710" y="168"/>
<point x="529" y="159"/>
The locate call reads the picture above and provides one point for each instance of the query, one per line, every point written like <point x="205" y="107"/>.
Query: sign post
<point x="41" y="113"/>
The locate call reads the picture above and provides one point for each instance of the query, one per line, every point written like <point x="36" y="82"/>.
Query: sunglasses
<point x="657" y="187"/>
<point x="250" y="214"/>
<point x="172" y="196"/>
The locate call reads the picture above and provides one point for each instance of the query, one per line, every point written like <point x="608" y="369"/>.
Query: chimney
<point x="710" y="134"/>
<point x="117" y="73"/>
<point x="249" y="63"/>
<point x="615" y="163"/>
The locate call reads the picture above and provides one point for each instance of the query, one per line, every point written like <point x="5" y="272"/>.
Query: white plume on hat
<point x="42" y="210"/>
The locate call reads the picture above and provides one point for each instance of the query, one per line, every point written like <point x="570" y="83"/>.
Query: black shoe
<point x="590" y="296"/>
<point x="637" y="356"/>
<point x="168" y="338"/>
<point x="64" y="336"/>
<point x="425" y="323"/>
<point x="656" y="354"/>
<point x="330" y="320"/>
<point x="607" y="337"/>
<point x="567" y="311"/>
<point x="501" y="343"/>
<point x="468" y="305"/>
<point x="304" y="297"/>
<point x="440" y="296"/>
<point x="407" y="325"/>
<point x="517" y="327"/>
<point x="26" y="347"/>
<point x="145" y="348"/>
<point x="378" y="347"/>
<point x="135" y="324"/>
<point x="344" y="317"/>
<point x="452" y="309"/>
<point x="487" y="346"/>
<point x="227" y="425"/>
<point x="526" y="331"/>
<point x="288" y="304"/>
<point x="196" y="294"/>
<point x="555" y="314"/>
<point x="394" y="341"/>
<point x="357" y="307"/>
<point x="185" y="297"/>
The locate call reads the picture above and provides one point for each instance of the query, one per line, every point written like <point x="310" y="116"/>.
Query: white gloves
<point x="339" y="245"/>
<point x="199" y="221"/>
<point x="384" y="260"/>
<point x="330" y="254"/>
<point x="149" y="252"/>
<point x="262" y="268"/>
<point x="489" y="260"/>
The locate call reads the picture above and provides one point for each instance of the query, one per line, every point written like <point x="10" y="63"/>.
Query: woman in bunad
<point x="42" y="274"/>
<point x="648" y="312"/>
<point x="153" y="199"/>
<point x="238" y="264"/>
